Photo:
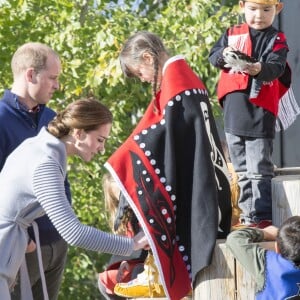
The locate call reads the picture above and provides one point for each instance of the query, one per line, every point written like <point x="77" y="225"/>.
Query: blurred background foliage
<point x="88" y="35"/>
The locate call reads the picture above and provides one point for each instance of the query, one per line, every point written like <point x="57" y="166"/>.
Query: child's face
<point x="260" y="16"/>
<point x="145" y="72"/>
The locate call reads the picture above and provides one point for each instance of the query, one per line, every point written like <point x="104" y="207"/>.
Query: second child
<point x="277" y="274"/>
<point x="123" y="222"/>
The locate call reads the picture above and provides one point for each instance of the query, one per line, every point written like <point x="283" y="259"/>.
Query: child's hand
<point x="124" y="267"/>
<point x="239" y="62"/>
<point x="228" y="49"/>
<point x="270" y="233"/>
<point x="253" y="69"/>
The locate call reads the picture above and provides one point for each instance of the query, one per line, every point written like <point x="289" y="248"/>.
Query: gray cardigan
<point x="31" y="184"/>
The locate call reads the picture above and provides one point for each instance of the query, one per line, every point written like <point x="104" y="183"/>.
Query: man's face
<point x="45" y="82"/>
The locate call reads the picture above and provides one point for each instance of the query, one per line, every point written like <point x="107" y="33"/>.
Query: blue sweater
<point x="16" y="125"/>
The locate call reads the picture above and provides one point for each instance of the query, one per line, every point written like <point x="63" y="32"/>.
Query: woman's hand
<point x="140" y="241"/>
<point x="31" y="247"/>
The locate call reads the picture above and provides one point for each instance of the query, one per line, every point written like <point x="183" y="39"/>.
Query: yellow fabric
<point x="235" y="193"/>
<point x="147" y="284"/>
<point x="123" y="290"/>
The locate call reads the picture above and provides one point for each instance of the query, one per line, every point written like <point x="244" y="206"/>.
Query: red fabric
<point x="280" y="42"/>
<point x="235" y="82"/>
<point x="109" y="276"/>
<point x="179" y="83"/>
<point x="270" y="92"/>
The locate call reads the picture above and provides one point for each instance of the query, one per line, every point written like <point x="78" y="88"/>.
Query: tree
<point x="88" y="35"/>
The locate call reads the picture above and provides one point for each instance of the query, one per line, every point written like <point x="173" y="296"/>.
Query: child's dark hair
<point x="288" y="239"/>
<point x="134" y="48"/>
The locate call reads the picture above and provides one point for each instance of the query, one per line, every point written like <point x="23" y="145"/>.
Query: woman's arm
<point x="48" y="185"/>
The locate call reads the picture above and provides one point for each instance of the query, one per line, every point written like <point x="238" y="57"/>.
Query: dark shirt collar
<point x="22" y="106"/>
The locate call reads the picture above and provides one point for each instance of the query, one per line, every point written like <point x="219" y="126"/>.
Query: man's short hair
<point x="31" y="55"/>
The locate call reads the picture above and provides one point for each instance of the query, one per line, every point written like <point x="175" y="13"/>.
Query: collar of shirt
<point x="22" y="106"/>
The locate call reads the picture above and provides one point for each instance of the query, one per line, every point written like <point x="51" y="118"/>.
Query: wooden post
<point x="226" y="278"/>
<point x="218" y="280"/>
<point x="285" y="197"/>
<point x="245" y="284"/>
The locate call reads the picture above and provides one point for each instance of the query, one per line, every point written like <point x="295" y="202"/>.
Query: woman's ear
<point x="78" y="133"/>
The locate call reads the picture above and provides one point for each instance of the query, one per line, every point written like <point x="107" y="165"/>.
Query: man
<point x="36" y="69"/>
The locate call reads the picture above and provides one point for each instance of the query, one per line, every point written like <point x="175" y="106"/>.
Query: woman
<point x="32" y="183"/>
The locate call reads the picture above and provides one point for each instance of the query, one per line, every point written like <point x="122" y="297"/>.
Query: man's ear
<point x="277" y="248"/>
<point x="30" y="75"/>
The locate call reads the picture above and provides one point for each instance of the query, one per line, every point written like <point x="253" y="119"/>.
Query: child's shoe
<point x="147" y="283"/>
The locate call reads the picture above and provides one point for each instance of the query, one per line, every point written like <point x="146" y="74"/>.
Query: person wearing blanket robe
<point x="171" y="168"/>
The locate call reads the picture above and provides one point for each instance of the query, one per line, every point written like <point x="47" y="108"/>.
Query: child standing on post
<point x="250" y="100"/>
